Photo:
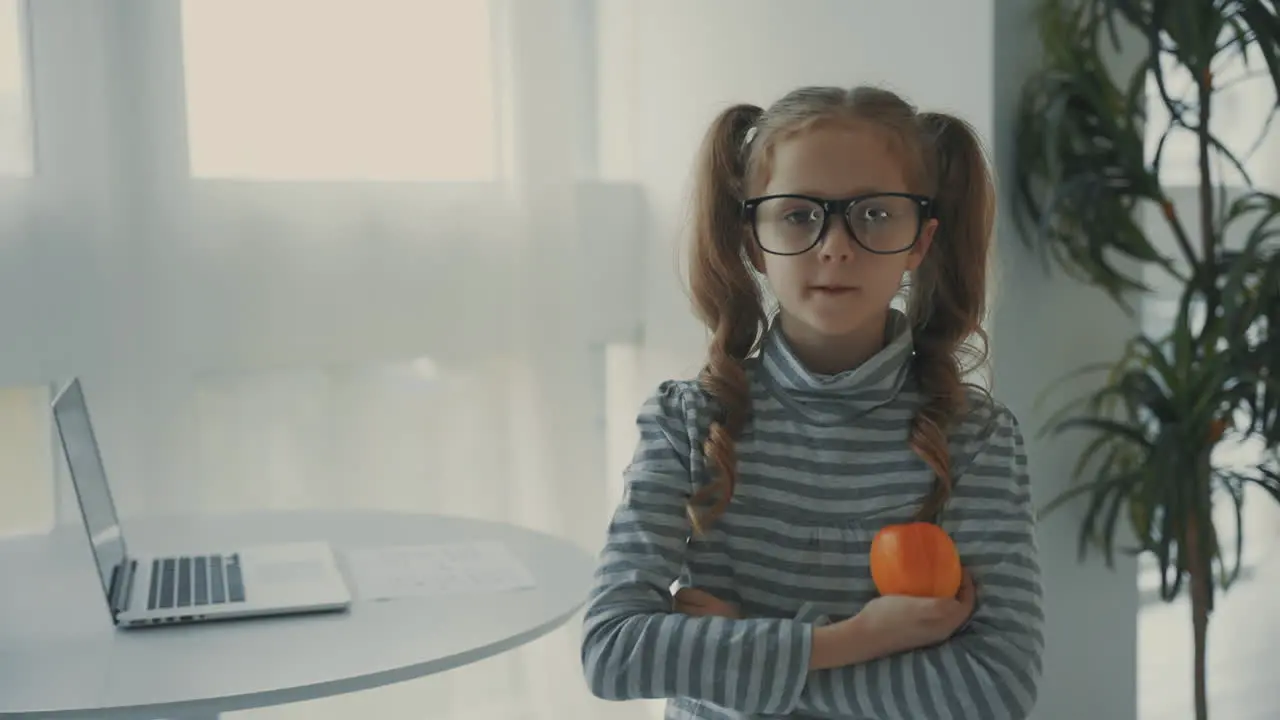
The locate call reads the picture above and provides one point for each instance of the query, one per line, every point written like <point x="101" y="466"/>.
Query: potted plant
<point x="1084" y="176"/>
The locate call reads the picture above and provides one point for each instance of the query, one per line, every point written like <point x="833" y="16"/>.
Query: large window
<point x="15" y="135"/>
<point x="1245" y="93"/>
<point x="381" y="90"/>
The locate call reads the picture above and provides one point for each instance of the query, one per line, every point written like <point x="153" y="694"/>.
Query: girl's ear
<point x="916" y="256"/>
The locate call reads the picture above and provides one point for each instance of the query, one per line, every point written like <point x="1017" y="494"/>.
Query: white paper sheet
<point x="385" y="573"/>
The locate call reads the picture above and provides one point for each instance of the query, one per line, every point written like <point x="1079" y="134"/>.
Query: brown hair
<point x="947" y="295"/>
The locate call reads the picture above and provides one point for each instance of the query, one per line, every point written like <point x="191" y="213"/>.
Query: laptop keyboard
<point x="184" y="581"/>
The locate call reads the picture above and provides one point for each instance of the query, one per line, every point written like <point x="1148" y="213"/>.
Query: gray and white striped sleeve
<point x="991" y="668"/>
<point x="633" y="645"/>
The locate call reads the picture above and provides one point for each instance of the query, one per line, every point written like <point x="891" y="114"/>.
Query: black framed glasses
<point x="883" y="223"/>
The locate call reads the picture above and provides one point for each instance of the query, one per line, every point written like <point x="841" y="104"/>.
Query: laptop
<point x="185" y="587"/>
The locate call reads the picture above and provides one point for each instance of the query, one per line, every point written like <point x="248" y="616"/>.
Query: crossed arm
<point x="635" y="646"/>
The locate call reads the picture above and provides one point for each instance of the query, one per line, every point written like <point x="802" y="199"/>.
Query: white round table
<point x="61" y="657"/>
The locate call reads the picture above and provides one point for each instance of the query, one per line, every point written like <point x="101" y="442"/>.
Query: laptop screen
<point x="90" y="479"/>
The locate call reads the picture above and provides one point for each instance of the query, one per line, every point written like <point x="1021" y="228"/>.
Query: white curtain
<point x="320" y="254"/>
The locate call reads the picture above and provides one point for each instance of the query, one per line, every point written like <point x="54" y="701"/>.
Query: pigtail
<point x="726" y="298"/>
<point x="949" y="304"/>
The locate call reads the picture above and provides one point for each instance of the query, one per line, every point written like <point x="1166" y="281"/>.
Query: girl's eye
<point x="801" y="216"/>
<point x="873" y="214"/>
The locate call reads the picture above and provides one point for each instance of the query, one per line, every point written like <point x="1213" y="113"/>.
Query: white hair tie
<point x="751" y="135"/>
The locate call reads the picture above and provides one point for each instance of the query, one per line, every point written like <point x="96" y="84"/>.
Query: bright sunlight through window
<point x="15" y="136"/>
<point x="380" y="90"/>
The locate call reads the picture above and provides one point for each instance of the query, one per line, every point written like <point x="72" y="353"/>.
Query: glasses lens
<point x="788" y="225"/>
<point x="885" y="224"/>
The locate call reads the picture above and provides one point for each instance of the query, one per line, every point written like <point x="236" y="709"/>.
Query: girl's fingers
<point x="691" y="601"/>
<point x="694" y="596"/>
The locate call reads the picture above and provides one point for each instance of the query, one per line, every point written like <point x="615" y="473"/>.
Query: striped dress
<point x="823" y="463"/>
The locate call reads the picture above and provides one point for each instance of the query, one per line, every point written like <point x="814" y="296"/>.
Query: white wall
<point x="1043" y="327"/>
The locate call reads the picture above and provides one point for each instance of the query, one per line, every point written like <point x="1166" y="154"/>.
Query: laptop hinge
<point x="122" y="585"/>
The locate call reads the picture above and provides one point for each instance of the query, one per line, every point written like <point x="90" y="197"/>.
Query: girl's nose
<point x="837" y="244"/>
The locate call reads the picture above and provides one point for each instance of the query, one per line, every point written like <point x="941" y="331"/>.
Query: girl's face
<point x="837" y="290"/>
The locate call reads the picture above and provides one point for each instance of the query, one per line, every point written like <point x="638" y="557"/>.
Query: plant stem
<point x="1199" y="554"/>
<point x="1199" y="566"/>
<point x="1199" y="572"/>
<point x="1208" y="238"/>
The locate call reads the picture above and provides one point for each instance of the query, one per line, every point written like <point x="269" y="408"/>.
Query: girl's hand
<point x="700" y="603"/>
<point x="899" y="623"/>
<point x="891" y="624"/>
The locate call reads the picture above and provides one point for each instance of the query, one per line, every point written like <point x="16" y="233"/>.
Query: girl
<point x="759" y="486"/>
